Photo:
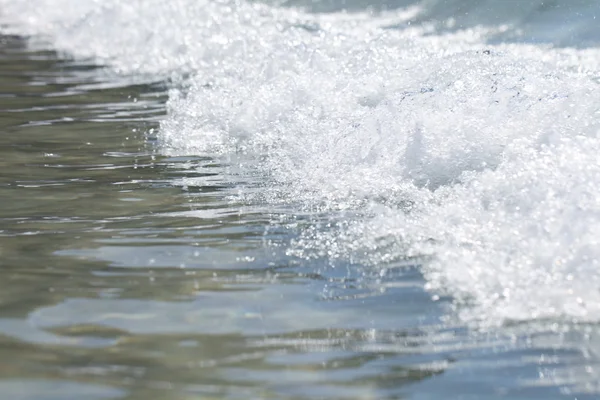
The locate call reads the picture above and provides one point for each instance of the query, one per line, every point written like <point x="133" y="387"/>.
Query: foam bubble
<point x="481" y="159"/>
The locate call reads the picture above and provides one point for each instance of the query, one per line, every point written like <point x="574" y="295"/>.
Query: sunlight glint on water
<point x="411" y="135"/>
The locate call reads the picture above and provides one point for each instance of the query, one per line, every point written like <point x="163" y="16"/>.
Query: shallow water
<point x="116" y="283"/>
<point x="233" y="200"/>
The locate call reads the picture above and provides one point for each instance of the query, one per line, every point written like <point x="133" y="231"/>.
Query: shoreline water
<point x="210" y="265"/>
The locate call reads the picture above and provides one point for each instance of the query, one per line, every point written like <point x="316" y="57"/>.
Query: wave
<point x="471" y="154"/>
<point x="560" y="22"/>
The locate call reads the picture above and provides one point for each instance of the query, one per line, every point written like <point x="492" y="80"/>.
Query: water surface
<point x="242" y="200"/>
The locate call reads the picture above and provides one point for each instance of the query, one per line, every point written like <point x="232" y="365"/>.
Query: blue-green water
<point x="299" y="200"/>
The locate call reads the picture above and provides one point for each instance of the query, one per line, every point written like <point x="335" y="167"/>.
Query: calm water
<point x="117" y="283"/>
<point x="262" y="202"/>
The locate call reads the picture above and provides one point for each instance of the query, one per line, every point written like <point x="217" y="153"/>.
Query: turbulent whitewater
<point x="465" y="142"/>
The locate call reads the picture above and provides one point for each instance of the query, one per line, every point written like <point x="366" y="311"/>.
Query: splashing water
<point x="479" y="160"/>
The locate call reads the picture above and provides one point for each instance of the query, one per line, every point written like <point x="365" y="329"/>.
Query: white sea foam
<point x="482" y="158"/>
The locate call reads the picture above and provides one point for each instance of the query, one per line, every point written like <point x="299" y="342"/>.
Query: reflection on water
<point x="118" y="281"/>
